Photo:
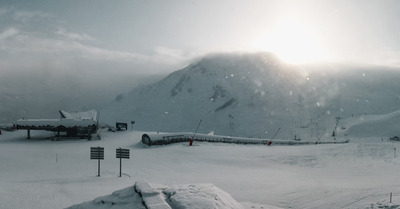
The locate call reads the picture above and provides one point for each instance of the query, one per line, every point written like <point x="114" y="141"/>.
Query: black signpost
<point x="97" y="153"/>
<point x="132" y="122"/>
<point x="122" y="153"/>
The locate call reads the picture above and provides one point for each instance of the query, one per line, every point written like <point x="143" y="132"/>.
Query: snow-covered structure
<point x="162" y="138"/>
<point x="78" y="124"/>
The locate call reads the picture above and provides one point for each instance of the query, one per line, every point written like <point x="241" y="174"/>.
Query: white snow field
<point x="40" y="173"/>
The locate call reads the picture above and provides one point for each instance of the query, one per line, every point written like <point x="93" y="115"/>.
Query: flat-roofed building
<point x="78" y="124"/>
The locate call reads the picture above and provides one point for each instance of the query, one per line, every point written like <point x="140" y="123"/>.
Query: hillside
<point x="254" y="95"/>
<point x="386" y="125"/>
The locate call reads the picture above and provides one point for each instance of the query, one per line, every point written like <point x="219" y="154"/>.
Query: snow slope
<point x="40" y="173"/>
<point x="387" y="125"/>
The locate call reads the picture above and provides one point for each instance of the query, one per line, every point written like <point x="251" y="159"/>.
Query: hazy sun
<point x="293" y="43"/>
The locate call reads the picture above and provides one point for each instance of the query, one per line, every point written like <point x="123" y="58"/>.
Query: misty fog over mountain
<point x="41" y="93"/>
<point x="247" y="94"/>
<point x="255" y="95"/>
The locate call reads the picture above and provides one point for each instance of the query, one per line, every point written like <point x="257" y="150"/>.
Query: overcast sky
<point x="139" y="35"/>
<point x="72" y="54"/>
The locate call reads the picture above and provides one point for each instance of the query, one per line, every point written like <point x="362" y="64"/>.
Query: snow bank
<point x="199" y="196"/>
<point x="122" y="199"/>
<point x="151" y="197"/>
<point x="190" y="196"/>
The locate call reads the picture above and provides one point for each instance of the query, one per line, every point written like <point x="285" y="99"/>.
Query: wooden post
<point x="120" y="164"/>
<point x="98" y="170"/>
<point x="29" y="134"/>
<point x="121" y="153"/>
<point x="390" y="197"/>
<point x="97" y="153"/>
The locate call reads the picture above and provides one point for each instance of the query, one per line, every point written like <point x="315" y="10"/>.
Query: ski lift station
<point x="78" y="124"/>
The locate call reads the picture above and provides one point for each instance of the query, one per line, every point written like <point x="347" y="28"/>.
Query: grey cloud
<point x="73" y="36"/>
<point x="3" y="11"/>
<point x="8" y="33"/>
<point x="69" y="68"/>
<point x="23" y="48"/>
<point x="25" y="16"/>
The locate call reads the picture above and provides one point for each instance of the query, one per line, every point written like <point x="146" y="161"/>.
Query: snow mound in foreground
<point x="189" y="196"/>
<point x="122" y="199"/>
<point x="199" y="196"/>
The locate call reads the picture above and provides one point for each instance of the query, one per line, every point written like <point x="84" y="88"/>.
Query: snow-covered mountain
<point x="254" y="95"/>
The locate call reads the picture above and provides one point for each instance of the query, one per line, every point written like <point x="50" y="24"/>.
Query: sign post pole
<point x="97" y="153"/>
<point x="98" y="167"/>
<point x="191" y="140"/>
<point x="121" y="153"/>
<point x="132" y="122"/>
<point x="120" y="164"/>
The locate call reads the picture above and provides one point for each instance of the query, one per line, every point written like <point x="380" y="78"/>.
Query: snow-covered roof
<point x="91" y="114"/>
<point x="56" y="122"/>
<point x="77" y="119"/>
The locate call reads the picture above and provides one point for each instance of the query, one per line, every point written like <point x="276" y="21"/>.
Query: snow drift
<point x="143" y="195"/>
